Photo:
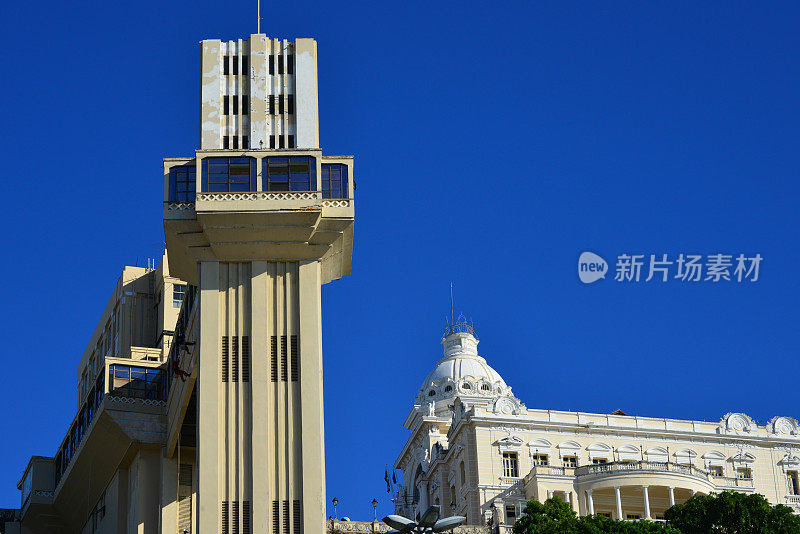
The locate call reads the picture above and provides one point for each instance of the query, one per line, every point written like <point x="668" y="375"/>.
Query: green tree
<point x="732" y="512"/>
<point x="556" y="516"/>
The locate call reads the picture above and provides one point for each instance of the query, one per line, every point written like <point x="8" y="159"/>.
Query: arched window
<point x="448" y="388"/>
<point x="466" y="385"/>
<point x="463" y="473"/>
<point x="432" y="393"/>
<point x="486" y="387"/>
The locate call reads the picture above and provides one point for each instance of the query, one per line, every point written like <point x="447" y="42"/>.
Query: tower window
<point x="182" y="183"/>
<point x="271" y="64"/>
<point x="225" y="105"/>
<point x="225" y="62"/>
<point x="510" y="465"/>
<point x="245" y="142"/>
<point x="281" y="142"/>
<point x="290" y="138"/>
<point x="290" y="104"/>
<point x="245" y="105"/>
<point x="223" y="175"/>
<point x="334" y="185"/>
<point x="226" y="141"/>
<point x="235" y="64"/>
<point x="280" y="105"/>
<point x="290" y="174"/>
<point x="272" y="141"/>
<point x="245" y="64"/>
<point x="280" y="63"/>
<point x="235" y="105"/>
<point x="235" y="141"/>
<point x="272" y="104"/>
<point x="290" y="64"/>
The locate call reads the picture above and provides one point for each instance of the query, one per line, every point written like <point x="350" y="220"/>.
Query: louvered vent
<point x="284" y="368"/>
<point x="235" y="359"/>
<point x="245" y="360"/>
<point x="185" y="475"/>
<point x="295" y="361"/>
<point x="246" y="517"/>
<point x="185" y="514"/>
<point x="276" y="524"/>
<point x="225" y="523"/>
<point x="235" y="517"/>
<point x="286" y="515"/>
<point x="273" y="356"/>
<point x="298" y="517"/>
<point x="224" y="358"/>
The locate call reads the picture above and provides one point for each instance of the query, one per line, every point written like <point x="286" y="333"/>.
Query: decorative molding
<point x="734" y="423"/>
<point x="783" y="425"/>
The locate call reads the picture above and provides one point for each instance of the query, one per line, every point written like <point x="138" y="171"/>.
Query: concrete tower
<point x="258" y="220"/>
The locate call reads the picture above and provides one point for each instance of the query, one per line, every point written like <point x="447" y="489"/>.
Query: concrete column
<point x="619" y="502"/>
<point x="590" y="501"/>
<point x="263" y="492"/>
<point x="646" y="503"/>
<point x="208" y="372"/>
<point x="313" y="422"/>
<point x="671" y="496"/>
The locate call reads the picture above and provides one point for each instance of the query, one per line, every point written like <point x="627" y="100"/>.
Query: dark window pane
<point x="235" y="141"/>
<point x="280" y="64"/>
<point x="245" y="141"/>
<point x="245" y="105"/>
<point x="236" y="64"/>
<point x="290" y="104"/>
<point x="225" y="105"/>
<point x="225" y="69"/>
<point x="224" y="141"/>
<point x="271" y="64"/>
<point x="245" y="64"/>
<point x="290" y="64"/>
<point x="235" y="105"/>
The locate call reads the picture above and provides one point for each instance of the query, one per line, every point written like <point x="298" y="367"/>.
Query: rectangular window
<point x="235" y="105"/>
<point x="744" y="473"/>
<point x="794" y="483"/>
<point x="510" y="465"/>
<point x="245" y="142"/>
<point x="272" y="141"/>
<point x="271" y="64"/>
<point x="272" y="104"/>
<point x="598" y="461"/>
<point x="226" y="142"/>
<point x="245" y="64"/>
<point x="182" y="183"/>
<point x="228" y="175"/>
<point x="511" y="514"/>
<point x="291" y="141"/>
<point x="235" y="142"/>
<point x="280" y="63"/>
<point x="633" y="516"/>
<point x="178" y="292"/>
<point x="225" y="61"/>
<point x="715" y="470"/>
<point x="290" y="104"/>
<point x="290" y="174"/>
<point x="290" y="64"/>
<point x="334" y="180"/>
<point x="280" y="105"/>
<point x="225" y="108"/>
<point x="570" y="461"/>
<point x="235" y="65"/>
<point x="245" y="105"/>
<point x="281" y="142"/>
<point x="540" y="459"/>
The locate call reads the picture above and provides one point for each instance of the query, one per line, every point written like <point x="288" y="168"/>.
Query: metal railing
<point x="640" y="465"/>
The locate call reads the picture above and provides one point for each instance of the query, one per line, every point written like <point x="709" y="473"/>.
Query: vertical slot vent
<point x="295" y="360"/>
<point x="224" y="362"/>
<point x="298" y="517"/>
<point x="246" y="517"/>
<point x="235" y="517"/>
<point x="225" y="518"/>
<point x="284" y="368"/>
<point x="185" y="475"/>
<point x="275" y="516"/>
<point x="285" y="517"/>
<point x="245" y="360"/>
<point x="273" y="356"/>
<point x="235" y="359"/>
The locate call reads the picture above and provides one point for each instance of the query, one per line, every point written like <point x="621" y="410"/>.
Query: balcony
<point x="631" y="467"/>
<point x="552" y="471"/>
<point x="255" y="205"/>
<point x="732" y="482"/>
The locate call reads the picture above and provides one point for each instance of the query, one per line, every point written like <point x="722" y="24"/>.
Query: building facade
<point x="476" y="450"/>
<point x="200" y="400"/>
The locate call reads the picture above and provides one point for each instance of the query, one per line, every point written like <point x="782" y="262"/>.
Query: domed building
<point x="476" y="450"/>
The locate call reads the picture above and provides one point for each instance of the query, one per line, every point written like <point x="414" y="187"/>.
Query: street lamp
<point x="428" y="523"/>
<point x="335" y="501"/>
<point x="375" y="508"/>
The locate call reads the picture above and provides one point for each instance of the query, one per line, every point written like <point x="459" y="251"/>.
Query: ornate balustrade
<point x="640" y="466"/>
<point x="553" y="470"/>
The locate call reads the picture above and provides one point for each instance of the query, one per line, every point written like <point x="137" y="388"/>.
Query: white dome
<point x="462" y="371"/>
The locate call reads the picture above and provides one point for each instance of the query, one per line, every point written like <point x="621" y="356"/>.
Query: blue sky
<point x="494" y="143"/>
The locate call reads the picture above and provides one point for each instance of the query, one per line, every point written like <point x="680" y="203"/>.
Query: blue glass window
<point x="182" y="183"/>
<point x="297" y="173"/>
<point x="228" y="175"/>
<point x="334" y="180"/>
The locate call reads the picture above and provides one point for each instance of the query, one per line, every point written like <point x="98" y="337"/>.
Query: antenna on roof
<point x="451" y="302"/>
<point x="259" y="17"/>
